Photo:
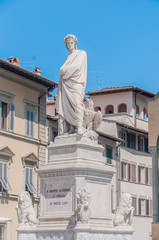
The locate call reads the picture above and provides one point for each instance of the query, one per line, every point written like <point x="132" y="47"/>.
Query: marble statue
<point x="70" y="93"/>
<point x="83" y="201"/>
<point x="25" y="210"/>
<point x="92" y="120"/>
<point x="124" y="213"/>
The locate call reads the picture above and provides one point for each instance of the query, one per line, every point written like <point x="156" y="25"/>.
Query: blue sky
<point x="121" y="38"/>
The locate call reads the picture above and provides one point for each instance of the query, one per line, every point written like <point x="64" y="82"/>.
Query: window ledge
<point x="15" y="196"/>
<point x="15" y="135"/>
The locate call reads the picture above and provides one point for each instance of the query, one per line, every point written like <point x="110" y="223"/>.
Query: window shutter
<point x="128" y="140"/>
<point x="139" y="143"/>
<point x="31" y="175"/>
<point x="139" y="177"/>
<point x="139" y="206"/>
<point x="26" y="175"/>
<point x="134" y="205"/>
<point x="1" y="169"/>
<point x="151" y="207"/>
<point x="133" y="173"/>
<point x="27" y="122"/>
<point x="11" y="116"/>
<point x="147" y="207"/>
<point x="129" y="172"/>
<point x="0" y="114"/>
<point x="5" y="170"/>
<point x="147" y="176"/>
<point x="150" y="176"/>
<point x="146" y="145"/>
<point x="32" y="124"/>
<point x="122" y="171"/>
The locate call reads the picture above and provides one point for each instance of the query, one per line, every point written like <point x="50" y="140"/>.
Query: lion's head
<point x="24" y="200"/>
<point x="126" y="200"/>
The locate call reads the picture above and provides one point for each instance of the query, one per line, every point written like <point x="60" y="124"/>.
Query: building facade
<point x="125" y="116"/>
<point x="154" y="149"/>
<point x="124" y="135"/>
<point x="23" y="141"/>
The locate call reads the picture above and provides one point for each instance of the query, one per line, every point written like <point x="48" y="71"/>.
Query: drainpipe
<point x="118" y="182"/>
<point x="135" y="111"/>
<point x="39" y="98"/>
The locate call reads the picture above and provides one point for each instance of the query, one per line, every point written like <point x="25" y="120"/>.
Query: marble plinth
<point x="75" y="163"/>
<point x="117" y="234"/>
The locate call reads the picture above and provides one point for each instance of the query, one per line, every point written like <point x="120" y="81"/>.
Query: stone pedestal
<point x="76" y="163"/>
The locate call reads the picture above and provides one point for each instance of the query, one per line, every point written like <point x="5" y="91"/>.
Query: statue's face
<point x="70" y="44"/>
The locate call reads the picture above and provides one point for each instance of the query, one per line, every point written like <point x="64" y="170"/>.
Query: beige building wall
<point x="153" y="113"/>
<point x="25" y="95"/>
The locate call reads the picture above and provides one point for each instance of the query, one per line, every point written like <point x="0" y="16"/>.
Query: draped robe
<point x="72" y="84"/>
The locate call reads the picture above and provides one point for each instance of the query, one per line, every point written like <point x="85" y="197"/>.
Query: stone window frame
<point x="30" y="106"/>
<point x="7" y="98"/>
<point x="31" y="162"/>
<point x="6" y="158"/>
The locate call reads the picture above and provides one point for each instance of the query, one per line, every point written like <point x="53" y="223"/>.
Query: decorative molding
<point x="27" y="101"/>
<point x="72" y="236"/>
<point x="79" y="145"/>
<point x="86" y="172"/>
<point x="7" y="94"/>
<point x="6" y="151"/>
<point x="31" y="157"/>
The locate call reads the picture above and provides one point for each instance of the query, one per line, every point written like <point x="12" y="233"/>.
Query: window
<point x="131" y="140"/>
<point x="141" y="174"/>
<point x="109" y="154"/>
<point x="145" y="207"/>
<point x="29" y="123"/>
<point x="109" y="109"/>
<point x="4" y="116"/>
<point x="123" y="136"/>
<point x="2" y="231"/>
<point x="128" y="172"/>
<point x="29" y="186"/>
<point x="124" y="173"/>
<point x="145" y="113"/>
<point x="142" y="144"/>
<point x="52" y="134"/>
<point x="137" y="111"/>
<point x="131" y="172"/>
<point x="122" y="108"/>
<point x="7" y="112"/>
<point x="4" y="184"/>
<point x="142" y="207"/>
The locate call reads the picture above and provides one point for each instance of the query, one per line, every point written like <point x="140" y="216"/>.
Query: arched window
<point x="97" y="108"/>
<point x="122" y="108"/>
<point x="109" y="109"/>
<point x="137" y="111"/>
<point x="145" y="113"/>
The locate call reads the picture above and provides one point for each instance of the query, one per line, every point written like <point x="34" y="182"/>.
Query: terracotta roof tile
<point x="121" y="89"/>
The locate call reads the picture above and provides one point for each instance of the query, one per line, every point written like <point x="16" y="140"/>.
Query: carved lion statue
<point x="92" y="120"/>
<point x="25" y="210"/>
<point x="124" y="213"/>
<point x="83" y="210"/>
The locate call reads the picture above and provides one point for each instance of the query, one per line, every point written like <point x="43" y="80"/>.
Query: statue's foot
<point x="80" y="130"/>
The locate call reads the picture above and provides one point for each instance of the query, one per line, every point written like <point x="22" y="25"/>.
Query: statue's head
<point x="126" y="199"/>
<point x="70" y="41"/>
